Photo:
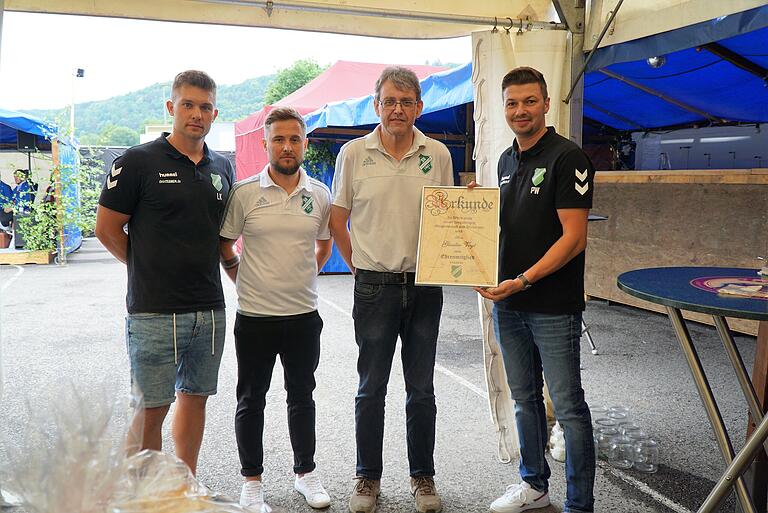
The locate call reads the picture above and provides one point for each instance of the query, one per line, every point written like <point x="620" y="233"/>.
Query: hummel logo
<point x="262" y="202"/>
<point x="369" y="161"/>
<point x="504" y="180"/>
<point x="581" y="176"/>
<point x="113" y="174"/>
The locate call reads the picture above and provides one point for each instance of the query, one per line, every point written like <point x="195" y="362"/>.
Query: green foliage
<point x="319" y="158"/>
<point x="290" y="79"/>
<point x="113" y="135"/>
<point x="41" y="226"/>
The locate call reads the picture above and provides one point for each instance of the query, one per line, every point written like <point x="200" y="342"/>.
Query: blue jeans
<point x="175" y="353"/>
<point x="381" y="313"/>
<point x="532" y="343"/>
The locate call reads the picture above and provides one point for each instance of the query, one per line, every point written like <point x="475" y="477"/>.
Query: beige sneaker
<point x="364" y="495"/>
<point x="427" y="499"/>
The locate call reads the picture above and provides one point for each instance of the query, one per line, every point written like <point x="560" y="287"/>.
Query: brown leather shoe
<point x="427" y="499"/>
<point x="363" y="499"/>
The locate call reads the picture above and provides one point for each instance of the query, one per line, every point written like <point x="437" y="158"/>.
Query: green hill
<point x="145" y="106"/>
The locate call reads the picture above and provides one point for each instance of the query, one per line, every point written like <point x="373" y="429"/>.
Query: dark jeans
<point x="258" y="341"/>
<point x="381" y="312"/>
<point x="532" y="344"/>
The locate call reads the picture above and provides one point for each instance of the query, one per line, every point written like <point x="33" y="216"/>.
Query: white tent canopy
<point x="424" y="19"/>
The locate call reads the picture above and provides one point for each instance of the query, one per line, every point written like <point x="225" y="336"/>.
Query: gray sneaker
<point x="424" y="491"/>
<point x="363" y="499"/>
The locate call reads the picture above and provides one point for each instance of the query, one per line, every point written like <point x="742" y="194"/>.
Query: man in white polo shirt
<point x="282" y="215"/>
<point x="377" y="187"/>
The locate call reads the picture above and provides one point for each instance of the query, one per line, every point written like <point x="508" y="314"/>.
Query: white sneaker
<point x="520" y="497"/>
<point x="252" y="497"/>
<point x="312" y="489"/>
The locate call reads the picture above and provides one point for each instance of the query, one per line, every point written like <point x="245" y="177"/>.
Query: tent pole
<point x="594" y="47"/>
<point x="61" y="257"/>
<point x="573" y="13"/>
<point x="377" y="12"/>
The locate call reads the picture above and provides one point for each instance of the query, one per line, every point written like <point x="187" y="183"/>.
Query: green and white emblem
<point x="456" y="271"/>
<point x="425" y="163"/>
<point x="538" y="175"/>
<point x="216" y="181"/>
<point x="306" y="204"/>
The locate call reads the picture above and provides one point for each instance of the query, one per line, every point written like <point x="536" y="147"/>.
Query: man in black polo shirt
<point x="171" y="193"/>
<point x="546" y="194"/>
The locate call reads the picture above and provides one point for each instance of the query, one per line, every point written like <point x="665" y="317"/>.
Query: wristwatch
<point x="526" y="284"/>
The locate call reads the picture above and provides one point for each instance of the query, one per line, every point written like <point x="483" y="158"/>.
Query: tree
<point x="112" y="135"/>
<point x="290" y="79"/>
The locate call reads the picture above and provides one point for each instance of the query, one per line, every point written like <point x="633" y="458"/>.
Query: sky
<point x="40" y="53"/>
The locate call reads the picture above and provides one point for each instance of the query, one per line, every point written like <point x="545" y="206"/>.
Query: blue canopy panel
<point x="12" y="122"/>
<point x="695" y="77"/>
<point x="440" y="91"/>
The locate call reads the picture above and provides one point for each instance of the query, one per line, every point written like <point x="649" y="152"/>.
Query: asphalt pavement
<point x="63" y="325"/>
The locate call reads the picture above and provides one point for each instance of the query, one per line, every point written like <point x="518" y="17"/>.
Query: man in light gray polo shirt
<point x="282" y="215"/>
<point x="377" y="188"/>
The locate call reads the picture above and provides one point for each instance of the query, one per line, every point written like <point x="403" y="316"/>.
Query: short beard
<point x="285" y="170"/>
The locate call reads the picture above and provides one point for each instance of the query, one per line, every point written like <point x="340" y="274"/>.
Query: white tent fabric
<point x="366" y="17"/>
<point x="635" y="19"/>
<point x="640" y="19"/>
<point x="493" y="55"/>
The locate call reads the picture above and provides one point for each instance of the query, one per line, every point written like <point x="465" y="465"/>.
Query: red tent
<point x="342" y="81"/>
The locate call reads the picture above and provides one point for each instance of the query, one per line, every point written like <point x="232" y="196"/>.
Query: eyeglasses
<point x="389" y="103"/>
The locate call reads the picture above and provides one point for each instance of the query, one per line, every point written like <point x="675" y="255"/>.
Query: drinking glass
<point x="605" y="437"/>
<point x="621" y="452"/>
<point x="646" y="456"/>
<point x="604" y="422"/>
<point x="627" y="427"/>
<point x="619" y="413"/>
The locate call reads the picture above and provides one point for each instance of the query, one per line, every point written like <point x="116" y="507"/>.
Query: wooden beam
<point x="737" y="60"/>
<point x="662" y="96"/>
<point x="13" y="257"/>
<point x="685" y="176"/>
<point x="613" y="115"/>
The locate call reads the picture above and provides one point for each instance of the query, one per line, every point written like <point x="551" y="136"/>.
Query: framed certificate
<point x="458" y="237"/>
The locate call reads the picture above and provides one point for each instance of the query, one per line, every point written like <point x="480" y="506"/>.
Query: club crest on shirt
<point x="306" y="204"/>
<point x="425" y="163"/>
<point x="538" y="175"/>
<point x="216" y="181"/>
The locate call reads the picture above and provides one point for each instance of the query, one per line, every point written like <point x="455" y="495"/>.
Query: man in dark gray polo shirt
<point x="171" y="194"/>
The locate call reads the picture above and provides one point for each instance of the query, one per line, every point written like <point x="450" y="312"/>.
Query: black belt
<point x="380" y="278"/>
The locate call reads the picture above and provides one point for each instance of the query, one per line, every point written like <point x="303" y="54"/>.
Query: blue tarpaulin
<point x="441" y="92"/>
<point x="716" y="88"/>
<point x="445" y="95"/>
<point x="11" y="123"/>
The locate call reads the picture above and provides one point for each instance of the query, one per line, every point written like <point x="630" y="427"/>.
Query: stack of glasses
<point x="621" y="442"/>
